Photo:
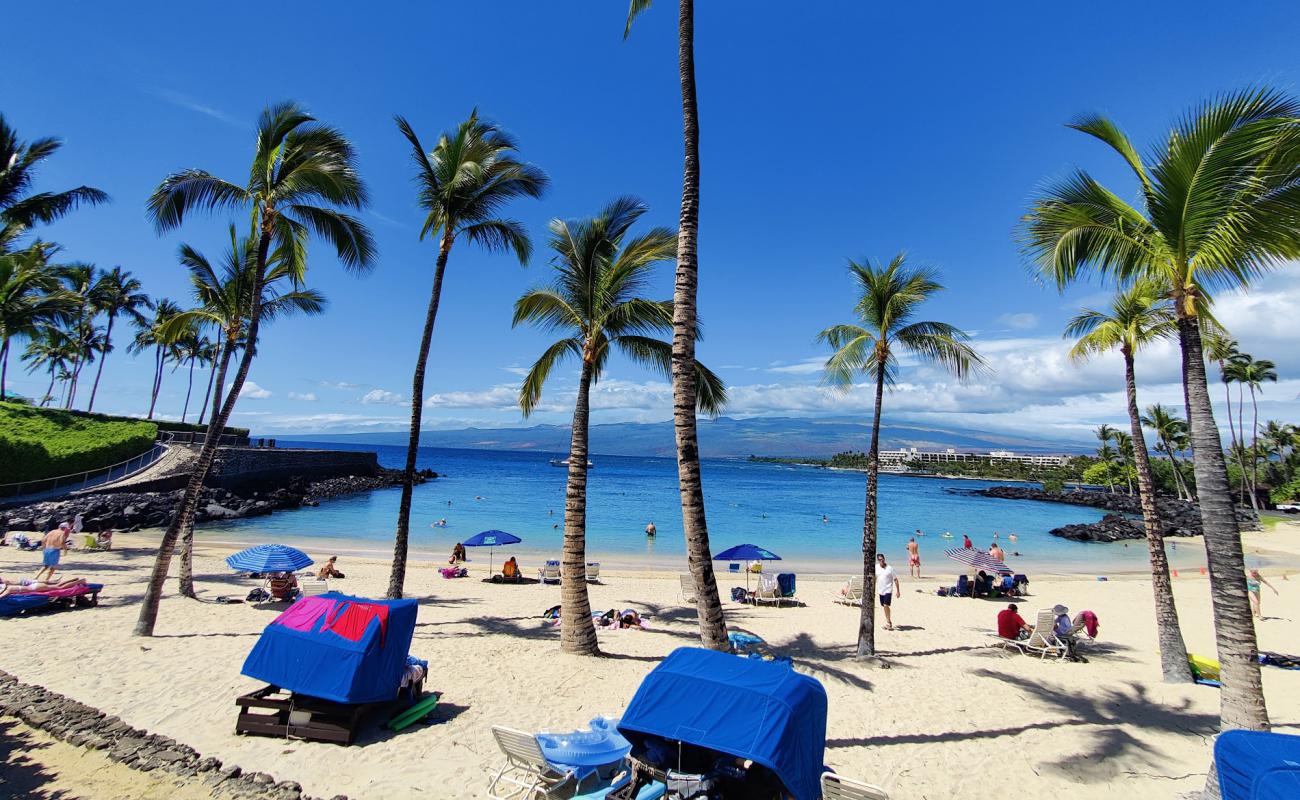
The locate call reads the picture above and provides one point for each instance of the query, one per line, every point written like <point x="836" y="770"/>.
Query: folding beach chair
<point x="1043" y="640"/>
<point x="313" y="586"/>
<point x="526" y="773"/>
<point x="851" y="594"/>
<point x="768" y="591"/>
<point x="549" y="573"/>
<point x="836" y="787"/>
<point x="686" y="592"/>
<point x="593" y="572"/>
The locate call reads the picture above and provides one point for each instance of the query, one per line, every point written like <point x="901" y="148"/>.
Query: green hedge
<point x="38" y="443"/>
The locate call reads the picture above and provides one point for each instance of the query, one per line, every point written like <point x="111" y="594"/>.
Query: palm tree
<point x="1138" y="316"/>
<point x="1252" y="373"/>
<point x="116" y="294"/>
<point x="888" y="299"/>
<point x="462" y="184"/>
<point x="302" y="173"/>
<point x="81" y="280"/>
<point x="1105" y="434"/>
<point x="1124" y="449"/>
<point x="713" y="628"/>
<point x="1170" y="430"/>
<point x="1216" y="211"/>
<point x="189" y="348"/>
<point x="211" y="354"/>
<point x="51" y="349"/>
<point x="19" y="209"/>
<point x="151" y="334"/>
<point x="31" y="297"/>
<point x="596" y="303"/>
<point x="1222" y="350"/>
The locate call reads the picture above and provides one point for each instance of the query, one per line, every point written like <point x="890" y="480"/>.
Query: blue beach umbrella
<point x="491" y="540"/>
<point x="746" y="552"/>
<point x="269" y="558"/>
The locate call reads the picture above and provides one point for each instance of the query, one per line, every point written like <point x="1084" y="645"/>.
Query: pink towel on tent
<point x="302" y="615"/>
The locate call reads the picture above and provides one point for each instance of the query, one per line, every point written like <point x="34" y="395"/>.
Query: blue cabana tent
<point x="1254" y="765"/>
<point x="759" y="710"/>
<point x="310" y="648"/>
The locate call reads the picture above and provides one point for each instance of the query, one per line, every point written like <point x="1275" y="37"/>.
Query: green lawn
<point x="40" y="443"/>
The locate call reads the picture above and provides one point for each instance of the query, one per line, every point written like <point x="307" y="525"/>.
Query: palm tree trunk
<point x="1254" y="451"/>
<point x="103" y="356"/>
<point x="4" y="365"/>
<point x="713" y="626"/>
<point x="207" y="395"/>
<point x="867" y="619"/>
<point x="1183" y="491"/>
<point x="577" y="633"/>
<point x="1241" y="449"/>
<point x="189" y="502"/>
<point x="157" y="379"/>
<point x="1241" y="698"/>
<point x="189" y="388"/>
<point x="1173" y="651"/>
<point x="401" y="544"/>
<point x="49" y="391"/>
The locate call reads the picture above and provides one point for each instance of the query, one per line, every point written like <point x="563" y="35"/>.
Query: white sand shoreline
<point x="949" y="714"/>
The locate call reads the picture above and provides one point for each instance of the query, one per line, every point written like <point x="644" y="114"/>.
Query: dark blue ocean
<point x="777" y="506"/>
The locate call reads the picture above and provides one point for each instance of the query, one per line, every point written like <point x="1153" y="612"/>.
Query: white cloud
<point x="807" y="366"/>
<point x="1020" y="322"/>
<point x="252" y="391"/>
<point x="190" y="104"/>
<point x="382" y="397"/>
<point x="520" y="371"/>
<point x="500" y="398"/>
<point x="339" y="385"/>
<point x="309" y="397"/>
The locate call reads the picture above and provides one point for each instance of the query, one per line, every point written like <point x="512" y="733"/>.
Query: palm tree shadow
<point x="804" y="649"/>
<point x="23" y="774"/>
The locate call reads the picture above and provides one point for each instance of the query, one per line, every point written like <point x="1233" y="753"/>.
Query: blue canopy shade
<point x="336" y="647"/>
<point x="746" y="552"/>
<point x="1254" y="765"/>
<point x="491" y="539"/>
<point x="759" y="710"/>
<point x="269" y="558"/>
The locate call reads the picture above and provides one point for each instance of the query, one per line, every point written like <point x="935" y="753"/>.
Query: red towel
<point x="1090" y="623"/>
<point x="352" y="619"/>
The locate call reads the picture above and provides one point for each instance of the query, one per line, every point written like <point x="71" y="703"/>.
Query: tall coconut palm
<point x="303" y="173"/>
<point x="713" y="628"/>
<point x="211" y="355"/>
<point x="596" y="302"/>
<point x="1251" y="373"/>
<point x="116" y="294"/>
<point x="1217" y="208"/>
<point x="1138" y="316"/>
<point x="152" y="335"/>
<point x="1223" y="350"/>
<point x="888" y="298"/>
<point x="1170" y="430"/>
<point x="51" y="349"/>
<point x="1106" y="434"/>
<point x="20" y="210"/>
<point x="31" y="297"/>
<point x="1124" y="455"/>
<point x="82" y="282"/>
<point x="462" y="185"/>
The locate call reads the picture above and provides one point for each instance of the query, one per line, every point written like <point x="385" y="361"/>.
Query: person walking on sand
<point x="650" y="529"/>
<point x="1253" y="580"/>
<point x="56" y="541"/>
<point x="913" y="558"/>
<point x="887" y="587"/>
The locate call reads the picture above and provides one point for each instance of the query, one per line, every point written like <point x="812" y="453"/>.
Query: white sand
<point x="949" y="716"/>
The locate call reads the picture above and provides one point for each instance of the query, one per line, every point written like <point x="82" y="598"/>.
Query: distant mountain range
<point x="720" y="438"/>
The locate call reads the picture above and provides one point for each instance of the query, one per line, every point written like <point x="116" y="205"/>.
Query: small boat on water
<point x="555" y="462"/>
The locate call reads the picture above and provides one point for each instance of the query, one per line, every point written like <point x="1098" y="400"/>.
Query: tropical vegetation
<point x="38" y="443"/>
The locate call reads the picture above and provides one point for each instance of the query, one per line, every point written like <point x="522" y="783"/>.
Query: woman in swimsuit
<point x="1253" y="580"/>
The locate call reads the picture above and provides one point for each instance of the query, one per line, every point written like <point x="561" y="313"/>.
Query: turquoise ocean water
<point x="777" y="506"/>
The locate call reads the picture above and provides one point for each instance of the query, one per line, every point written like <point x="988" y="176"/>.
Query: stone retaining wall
<point x="82" y="726"/>
<point x="238" y="467"/>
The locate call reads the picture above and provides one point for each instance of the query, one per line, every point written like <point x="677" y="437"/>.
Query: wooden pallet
<point x="268" y="712"/>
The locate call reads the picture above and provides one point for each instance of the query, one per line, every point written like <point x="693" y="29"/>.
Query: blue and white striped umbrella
<point x="269" y="558"/>
<point x="977" y="559"/>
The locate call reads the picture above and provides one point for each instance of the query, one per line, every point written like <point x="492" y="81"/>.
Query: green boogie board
<point x="414" y="714"/>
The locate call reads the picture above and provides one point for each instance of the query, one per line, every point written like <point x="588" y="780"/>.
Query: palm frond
<point x="194" y="189"/>
<point x="531" y="390"/>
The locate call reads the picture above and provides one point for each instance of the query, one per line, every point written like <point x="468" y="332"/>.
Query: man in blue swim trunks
<point x="55" y="542"/>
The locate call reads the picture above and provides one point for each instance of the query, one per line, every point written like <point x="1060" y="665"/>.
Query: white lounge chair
<point x="313" y="586"/>
<point x="526" y="773"/>
<point x="851" y="594"/>
<point x="836" y="787"/>
<point x="549" y="573"/>
<point x="686" y="593"/>
<point x="593" y="572"/>
<point x="769" y="590"/>
<point x="1042" y="640"/>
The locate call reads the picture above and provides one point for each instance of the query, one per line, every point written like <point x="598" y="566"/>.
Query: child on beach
<point x="1253" y="580"/>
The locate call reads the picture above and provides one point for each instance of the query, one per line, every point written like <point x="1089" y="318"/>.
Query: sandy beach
<point x="952" y="715"/>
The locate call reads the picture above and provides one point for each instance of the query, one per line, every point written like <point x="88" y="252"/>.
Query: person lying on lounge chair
<point x="510" y="569"/>
<point x="284" y="586"/>
<point x="30" y="586"/>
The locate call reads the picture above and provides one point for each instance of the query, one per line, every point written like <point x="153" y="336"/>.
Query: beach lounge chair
<point x="768" y="591"/>
<point x="593" y="572"/>
<point x="1042" y="640"/>
<point x="526" y="773"/>
<point x="851" y="593"/>
<point x="837" y="787"/>
<point x="313" y="586"/>
<point x="549" y="573"/>
<point x="734" y="567"/>
<point x="686" y="592"/>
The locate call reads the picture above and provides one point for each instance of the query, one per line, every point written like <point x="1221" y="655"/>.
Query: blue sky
<point x="830" y="130"/>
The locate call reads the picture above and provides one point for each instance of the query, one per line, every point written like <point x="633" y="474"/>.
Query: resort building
<point x="911" y="454"/>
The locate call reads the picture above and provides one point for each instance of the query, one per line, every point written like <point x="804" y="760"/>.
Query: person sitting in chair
<point x="1011" y="625"/>
<point x="284" y="586"/>
<point x="510" y="569"/>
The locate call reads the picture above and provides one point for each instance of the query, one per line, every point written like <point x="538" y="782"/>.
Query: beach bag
<point x="737" y="594"/>
<point x="258" y="595"/>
